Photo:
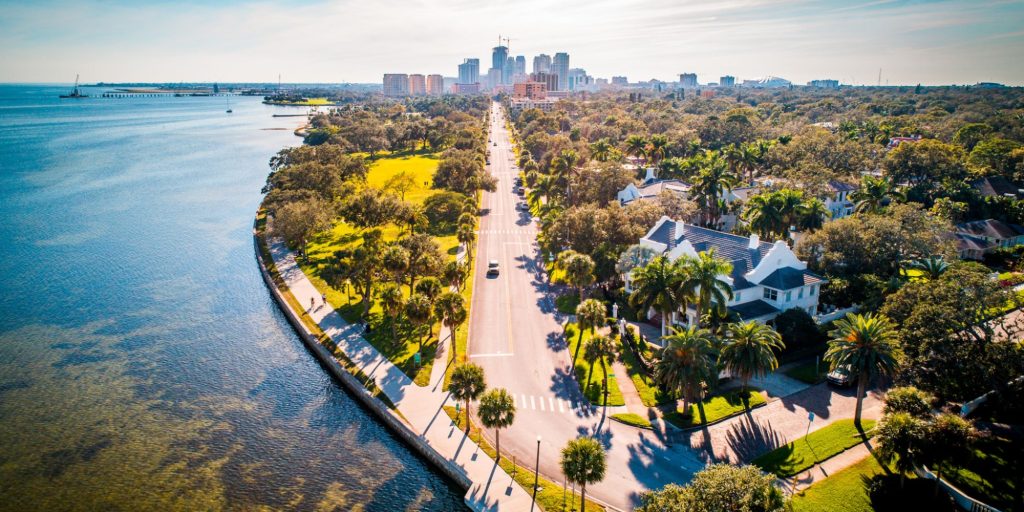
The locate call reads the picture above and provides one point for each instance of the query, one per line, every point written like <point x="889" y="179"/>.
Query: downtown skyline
<point x="928" y="42"/>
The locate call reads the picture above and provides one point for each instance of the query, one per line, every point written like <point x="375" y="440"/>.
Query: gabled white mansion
<point x="766" y="279"/>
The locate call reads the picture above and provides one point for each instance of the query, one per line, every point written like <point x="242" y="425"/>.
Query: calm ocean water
<point x="143" y="365"/>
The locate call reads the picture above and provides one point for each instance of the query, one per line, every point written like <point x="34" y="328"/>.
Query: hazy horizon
<point x="931" y="42"/>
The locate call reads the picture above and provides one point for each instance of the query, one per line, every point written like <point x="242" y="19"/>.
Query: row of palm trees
<point x="667" y="286"/>
<point x="583" y="460"/>
<point x="770" y="214"/>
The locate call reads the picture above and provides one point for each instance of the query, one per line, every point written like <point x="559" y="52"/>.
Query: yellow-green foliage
<point x="593" y="390"/>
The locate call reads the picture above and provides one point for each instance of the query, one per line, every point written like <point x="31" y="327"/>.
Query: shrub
<point x="798" y="330"/>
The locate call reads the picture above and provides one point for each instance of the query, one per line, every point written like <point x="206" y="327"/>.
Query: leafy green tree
<point x="600" y="349"/>
<point x="764" y="215"/>
<point x="590" y="314"/>
<point x="704" y="280"/>
<point x="583" y="462"/>
<point x="467" y="384"/>
<point x="924" y="165"/>
<point x="370" y="208"/>
<point x="949" y="442"/>
<point x="749" y="350"/>
<point x="657" y="286"/>
<point x="719" y="488"/>
<point x="396" y="261"/>
<point x="688" y="365"/>
<point x="995" y="156"/>
<point x="579" y="272"/>
<point x="867" y="346"/>
<point x="425" y="256"/>
<point x="910" y="400"/>
<point x="497" y="410"/>
<point x="298" y="221"/>
<point x="971" y="134"/>
<point x="901" y="439"/>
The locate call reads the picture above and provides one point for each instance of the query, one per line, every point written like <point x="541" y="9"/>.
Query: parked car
<point x="842" y="376"/>
<point x="492" y="268"/>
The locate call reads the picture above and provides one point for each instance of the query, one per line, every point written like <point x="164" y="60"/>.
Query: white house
<point x="839" y="204"/>
<point x="766" y="279"/>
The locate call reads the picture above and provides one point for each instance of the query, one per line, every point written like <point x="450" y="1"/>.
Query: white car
<point x="492" y="268"/>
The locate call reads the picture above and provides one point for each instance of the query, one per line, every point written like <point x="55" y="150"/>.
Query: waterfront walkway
<point x="422" y="407"/>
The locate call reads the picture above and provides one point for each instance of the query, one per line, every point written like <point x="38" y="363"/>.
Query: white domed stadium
<point x="767" y="81"/>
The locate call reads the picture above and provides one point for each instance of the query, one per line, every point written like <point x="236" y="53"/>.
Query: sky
<point x="932" y="42"/>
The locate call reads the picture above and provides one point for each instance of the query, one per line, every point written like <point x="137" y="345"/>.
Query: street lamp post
<point x="536" y="476"/>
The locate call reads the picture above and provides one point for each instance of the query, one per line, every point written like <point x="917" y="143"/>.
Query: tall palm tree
<point x="602" y="150"/>
<point x="467" y="384"/>
<point x="583" y="462"/>
<point x="579" y="272"/>
<point x="455" y="274"/>
<point x="812" y="214"/>
<point x="873" y="194"/>
<point x="396" y="261"/>
<point x="688" y="365"/>
<point x="450" y="307"/>
<point x="466" y="235"/>
<point x="763" y="214"/>
<point x="749" y="158"/>
<point x="563" y="168"/>
<point x="600" y="348"/>
<point x="704" y="281"/>
<point x="497" y="410"/>
<point x="749" y="350"/>
<point x="636" y="146"/>
<point x="429" y="286"/>
<point x="656" y="286"/>
<point x="393" y="302"/>
<point x="418" y="309"/>
<point x="657" y="148"/>
<point x="931" y="267"/>
<point x="590" y="314"/>
<point x="712" y="182"/>
<point x="791" y="203"/>
<point x="867" y="346"/>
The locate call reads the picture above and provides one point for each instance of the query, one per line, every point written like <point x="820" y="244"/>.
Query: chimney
<point x="755" y="242"/>
<point x="649" y="177"/>
<point x="671" y="235"/>
<point x="794" y="235"/>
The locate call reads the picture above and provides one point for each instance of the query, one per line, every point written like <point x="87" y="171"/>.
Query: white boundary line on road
<point x="498" y="354"/>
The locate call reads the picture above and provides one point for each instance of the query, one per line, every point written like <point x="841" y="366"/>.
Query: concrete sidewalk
<point x="493" y="489"/>
<point x="826" y="469"/>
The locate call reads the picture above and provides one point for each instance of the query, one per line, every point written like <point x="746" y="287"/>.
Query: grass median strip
<point x="718" y="407"/>
<point x="844" y="491"/>
<point x="809" y="450"/>
<point x="631" y="419"/>
<point x="589" y="376"/>
<point x="552" y="497"/>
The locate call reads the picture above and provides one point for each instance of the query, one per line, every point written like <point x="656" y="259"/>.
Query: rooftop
<point x="990" y="228"/>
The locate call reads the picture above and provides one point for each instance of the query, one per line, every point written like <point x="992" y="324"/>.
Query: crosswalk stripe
<point x="560" y="409"/>
<point x="541" y="403"/>
<point x="532" y="405"/>
<point x="551" y="403"/>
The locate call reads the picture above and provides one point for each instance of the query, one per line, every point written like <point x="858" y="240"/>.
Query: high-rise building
<point x="542" y="63"/>
<point x="576" y="78"/>
<point x="550" y="80"/>
<point x="469" y="71"/>
<point x="435" y="85"/>
<point x="727" y="81"/>
<point x="493" y="78"/>
<point x="508" y="71"/>
<point x="688" y="80"/>
<point x="620" y="81"/>
<point x="532" y="90"/>
<point x="560" y="67"/>
<point x="498" y="56"/>
<point x="396" y="84"/>
<point x="417" y="85"/>
<point x="466" y="88"/>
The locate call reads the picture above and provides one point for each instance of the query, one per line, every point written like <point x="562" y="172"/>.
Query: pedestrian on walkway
<point x="323" y="298"/>
<point x="312" y="302"/>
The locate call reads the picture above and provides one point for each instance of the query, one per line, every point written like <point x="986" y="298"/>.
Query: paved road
<point x="515" y="335"/>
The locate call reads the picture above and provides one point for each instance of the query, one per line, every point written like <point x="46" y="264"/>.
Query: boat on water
<point x="229" y="105"/>
<point x="75" y="93"/>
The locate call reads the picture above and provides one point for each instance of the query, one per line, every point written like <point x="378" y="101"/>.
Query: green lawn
<point x="809" y="372"/>
<point x="566" y="303"/>
<point x="844" y="491"/>
<point x="632" y="419"/>
<point x="321" y="250"/>
<point x="650" y="394"/>
<point x="591" y="378"/>
<point x="717" y="407"/>
<point x="805" y="452"/>
<point x="993" y="474"/>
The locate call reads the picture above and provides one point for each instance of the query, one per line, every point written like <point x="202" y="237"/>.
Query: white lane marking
<point x="522" y="399"/>
<point x="560" y="408"/>
<point x="551" y="404"/>
<point x="532" y="404"/>
<point x="498" y="354"/>
<point x="541" y="403"/>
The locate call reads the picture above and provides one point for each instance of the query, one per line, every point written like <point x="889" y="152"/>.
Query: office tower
<point x="560" y="67"/>
<point x="520" y="65"/>
<point x="508" y="70"/>
<point x="550" y="80"/>
<point x="396" y="84"/>
<point x="469" y="71"/>
<point x="435" y="85"/>
<point x="688" y="80"/>
<point x="493" y="78"/>
<point x="727" y="81"/>
<point x="417" y="85"/>
<point x="498" y="56"/>
<point x="578" y="78"/>
<point x="542" y="63"/>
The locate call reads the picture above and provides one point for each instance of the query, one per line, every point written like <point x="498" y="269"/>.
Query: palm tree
<point x="602" y="150"/>
<point x="748" y="158"/>
<point x="656" y="286"/>
<point x="636" y="146"/>
<point x="874" y="194"/>
<point x="600" y="348"/>
<point x="497" y="410"/>
<point x="688" y="365"/>
<point x="583" y="462"/>
<point x="393" y="302"/>
<point x="451" y="309"/>
<point x="791" y="203"/>
<point x="590" y="314"/>
<point x="466" y="235"/>
<point x="396" y="261"/>
<point x="900" y="438"/>
<point x="657" y="148"/>
<point x="931" y="267"/>
<point x="704" y="281"/>
<point x="429" y="286"/>
<point x="579" y="272"/>
<point x="749" y="350"/>
<point x="764" y="215"/>
<point x="812" y="214"/>
<point x="711" y="184"/>
<point x="563" y="167"/>
<point x="467" y="383"/>
<point x="455" y="274"/>
<point x="867" y="346"/>
<point x="418" y="311"/>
